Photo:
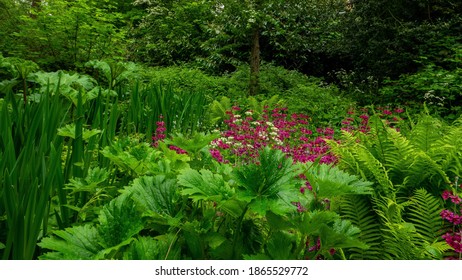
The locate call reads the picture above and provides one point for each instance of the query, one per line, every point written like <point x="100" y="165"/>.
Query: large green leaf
<point x="118" y="222"/>
<point x="155" y="194"/>
<point x="270" y="184"/>
<point x="92" y="183"/>
<point x="159" y="248"/>
<point x="69" y="131"/>
<point x="329" y="181"/>
<point x="280" y="245"/>
<point x="66" y="84"/>
<point x="194" y="143"/>
<point x="204" y="185"/>
<point x="76" y="243"/>
<point x="130" y="155"/>
<point x="311" y="222"/>
<point x="341" y="235"/>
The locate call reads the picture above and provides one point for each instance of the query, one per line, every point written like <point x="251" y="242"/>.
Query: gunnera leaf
<point x="155" y="194"/>
<point x="76" y="243"/>
<point x="204" y="185"/>
<point x="149" y="248"/>
<point x="269" y="185"/>
<point x="330" y="181"/>
<point x="119" y="221"/>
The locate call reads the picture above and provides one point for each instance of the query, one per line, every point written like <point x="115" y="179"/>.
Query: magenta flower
<point x="178" y="150"/>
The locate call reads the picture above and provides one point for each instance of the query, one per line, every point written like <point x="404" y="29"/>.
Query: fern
<point x="358" y="210"/>
<point x="400" y="156"/>
<point x="447" y="151"/>
<point x="400" y="239"/>
<point x="424" y="214"/>
<point x="424" y="168"/>
<point x="425" y="133"/>
<point x="376" y="169"/>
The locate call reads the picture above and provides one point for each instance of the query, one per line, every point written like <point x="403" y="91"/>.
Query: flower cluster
<point x="291" y="134"/>
<point x="454" y="237"/>
<point x="160" y="132"/>
<point x="454" y="240"/>
<point x="159" y="136"/>
<point x="358" y="120"/>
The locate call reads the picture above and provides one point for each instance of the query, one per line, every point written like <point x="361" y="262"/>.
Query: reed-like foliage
<point x="181" y="111"/>
<point x="30" y="164"/>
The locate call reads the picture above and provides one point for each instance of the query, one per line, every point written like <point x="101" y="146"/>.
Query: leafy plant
<point x="268" y="184"/>
<point x="119" y="221"/>
<point x="400" y="165"/>
<point x="66" y="84"/>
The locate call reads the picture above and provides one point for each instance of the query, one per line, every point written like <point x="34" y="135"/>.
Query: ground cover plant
<point x="140" y="171"/>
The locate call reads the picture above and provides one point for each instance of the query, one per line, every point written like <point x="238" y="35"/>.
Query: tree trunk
<point x="255" y="62"/>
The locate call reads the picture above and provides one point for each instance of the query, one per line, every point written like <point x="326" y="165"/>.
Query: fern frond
<point x="424" y="168"/>
<point x="358" y="210"/>
<point x="359" y="159"/>
<point x="426" y="132"/>
<point x="400" y="238"/>
<point x="400" y="156"/>
<point x="342" y="151"/>
<point x="447" y="151"/>
<point x="424" y="214"/>
<point x="376" y="168"/>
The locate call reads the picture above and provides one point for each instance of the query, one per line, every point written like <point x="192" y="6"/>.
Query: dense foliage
<point x="257" y="129"/>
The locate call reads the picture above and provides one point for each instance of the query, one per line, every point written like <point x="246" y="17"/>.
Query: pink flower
<point x="178" y="150"/>
<point x="446" y="194"/>
<point x="216" y="155"/>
